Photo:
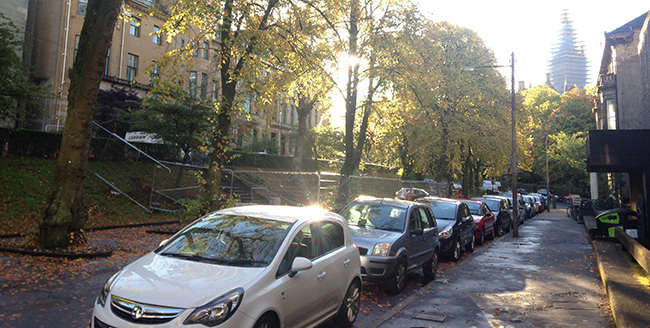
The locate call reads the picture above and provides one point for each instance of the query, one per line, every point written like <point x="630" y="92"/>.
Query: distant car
<point x="395" y="237"/>
<point x="533" y="207"/>
<point x="541" y="202"/>
<point x="411" y="193"/>
<point x="455" y="224"/>
<point x="501" y="211"/>
<point x="484" y="220"/>
<point x="251" y="266"/>
<point x="522" y="191"/>
<point x="550" y="194"/>
<point x="508" y="198"/>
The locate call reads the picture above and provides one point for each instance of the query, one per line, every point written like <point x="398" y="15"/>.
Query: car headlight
<point x="446" y="233"/>
<point x="381" y="249"/>
<point x="217" y="311"/>
<point x="103" y="294"/>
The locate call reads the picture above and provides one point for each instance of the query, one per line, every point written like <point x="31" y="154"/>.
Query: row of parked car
<point x="283" y="266"/>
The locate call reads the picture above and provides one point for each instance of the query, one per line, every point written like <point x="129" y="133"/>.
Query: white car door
<point x="303" y="293"/>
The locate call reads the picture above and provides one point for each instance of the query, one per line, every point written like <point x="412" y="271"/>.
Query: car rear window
<point x="376" y="216"/>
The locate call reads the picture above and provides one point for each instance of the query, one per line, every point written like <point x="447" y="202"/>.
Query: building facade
<point x="620" y="145"/>
<point x="54" y="27"/>
<point x="568" y="65"/>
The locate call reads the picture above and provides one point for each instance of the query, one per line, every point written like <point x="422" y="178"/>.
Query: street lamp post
<point x="513" y="156"/>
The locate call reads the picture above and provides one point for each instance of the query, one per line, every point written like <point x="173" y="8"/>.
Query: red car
<point x="484" y="220"/>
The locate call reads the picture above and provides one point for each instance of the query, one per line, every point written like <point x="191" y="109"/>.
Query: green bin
<point x="608" y="221"/>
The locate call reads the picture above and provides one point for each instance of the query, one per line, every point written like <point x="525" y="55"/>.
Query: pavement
<point x="549" y="276"/>
<point x="626" y="282"/>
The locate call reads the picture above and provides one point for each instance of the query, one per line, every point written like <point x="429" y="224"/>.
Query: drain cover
<point x="430" y="317"/>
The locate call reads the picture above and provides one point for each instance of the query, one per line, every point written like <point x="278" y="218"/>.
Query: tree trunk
<point x="305" y="106"/>
<point x="220" y="142"/>
<point x="65" y="214"/>
<point x="350" y="108"/>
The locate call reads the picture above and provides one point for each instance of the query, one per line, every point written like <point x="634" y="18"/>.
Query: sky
<point x="531" y="29"/>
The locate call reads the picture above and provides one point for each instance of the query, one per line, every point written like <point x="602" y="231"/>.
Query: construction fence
<point x="164" y="186"/>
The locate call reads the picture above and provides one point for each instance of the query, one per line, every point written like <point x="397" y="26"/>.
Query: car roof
<point x="470" y="200"/>
<point x="386" y="201"/>
<point x="285" y="213"/>
<point x="437" y="199"/>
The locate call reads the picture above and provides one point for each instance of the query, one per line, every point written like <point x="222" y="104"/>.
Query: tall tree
<point x="249" y="36"/>
<point x="65" y="214"/>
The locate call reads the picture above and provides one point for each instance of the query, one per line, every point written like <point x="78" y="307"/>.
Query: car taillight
<point x="357" y="247"/>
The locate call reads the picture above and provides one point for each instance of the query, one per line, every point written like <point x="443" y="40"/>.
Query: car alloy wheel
<point x="431" y="268"/>
<point x="266" y="322"/>
<point x="398" y="279"/>
<point x="350" y="306"/>
<point x="455" y="255"/>
<point x="472" y="243"/>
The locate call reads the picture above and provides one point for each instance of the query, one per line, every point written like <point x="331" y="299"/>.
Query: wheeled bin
<point x="608" y="221"/>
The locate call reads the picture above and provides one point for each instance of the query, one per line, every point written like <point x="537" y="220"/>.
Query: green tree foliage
<point x="175" y="117"/>
<point x="548" y="114"/>
<point x="566" y="159"/>
<point x="448" y="114"/>
<point x="113" y="107"/>
<point x="16" y="90"/>
<point x="326" y="142"/>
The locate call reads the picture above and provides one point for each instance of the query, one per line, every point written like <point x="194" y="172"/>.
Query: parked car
<point x="508" y="198"/>
<point x="501" y="211"/>
<point x="484" y="220"/>
<point x="231" y="268"/>
<point x="455" y="225"/>
<point x="533" y="207"/>
<point x="411" y="193"/>
<point x="394" y="237"/>
<point x="522" y="191"/>
<point x="540" y="201"/>
<point x="550" y="194"/>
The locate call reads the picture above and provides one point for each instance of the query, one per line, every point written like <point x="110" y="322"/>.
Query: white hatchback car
<point x="252" y="266"/>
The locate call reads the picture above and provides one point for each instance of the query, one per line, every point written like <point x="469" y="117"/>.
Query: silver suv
<point x="394" y="238"/>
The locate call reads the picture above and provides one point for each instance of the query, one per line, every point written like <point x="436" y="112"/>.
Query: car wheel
<point x="481" y="238"/>
<point x="350" y="306"/>
<point x="266" y="321"/>
<point x="430" y="269"/>
<point x="509" y="226"/>
<point x="397" y="279"/>
<point x="493" y="233"/>
<point x="455" y="252"/>
<point x="471" y="245"/>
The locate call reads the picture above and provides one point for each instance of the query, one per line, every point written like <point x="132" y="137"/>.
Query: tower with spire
<point x="568" y="65"/>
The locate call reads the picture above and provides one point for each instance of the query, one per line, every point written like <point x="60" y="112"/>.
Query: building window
<point x="248" y="103"/>
<point x="182" y="43"/>
<point x="134" y="29"/>
<point x="204" y="85"/>
<point x="195" y="49"/>
<point x="81" y="8"/>
<point x="131" y="67"/>
<point x="205" y="50"/>
<point x="215" y="91"/>
<point x="192" y="83"/>
<point x="156" y="35"/>
<point x="155" y="73"/>
<point x="76" y="46"/>
<point x="108" y="60"/>
<point x="611" y="114"/>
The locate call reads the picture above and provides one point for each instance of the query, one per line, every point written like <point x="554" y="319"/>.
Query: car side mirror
<point x="417" y="232"/>
<point x="299" y="264"/>
<point x="467" y="218"/>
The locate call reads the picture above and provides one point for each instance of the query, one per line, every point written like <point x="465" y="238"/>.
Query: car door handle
<point x="322" y="275"/>
<point x="346" y="262"/>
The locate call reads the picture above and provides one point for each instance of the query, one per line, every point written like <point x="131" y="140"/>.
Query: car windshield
<point x="229" y="240"/>
<point x="474" y="208"/>
<point x="443" y="210"/>
<point x="492" y="204"/>
<point x="376" y="216"/>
